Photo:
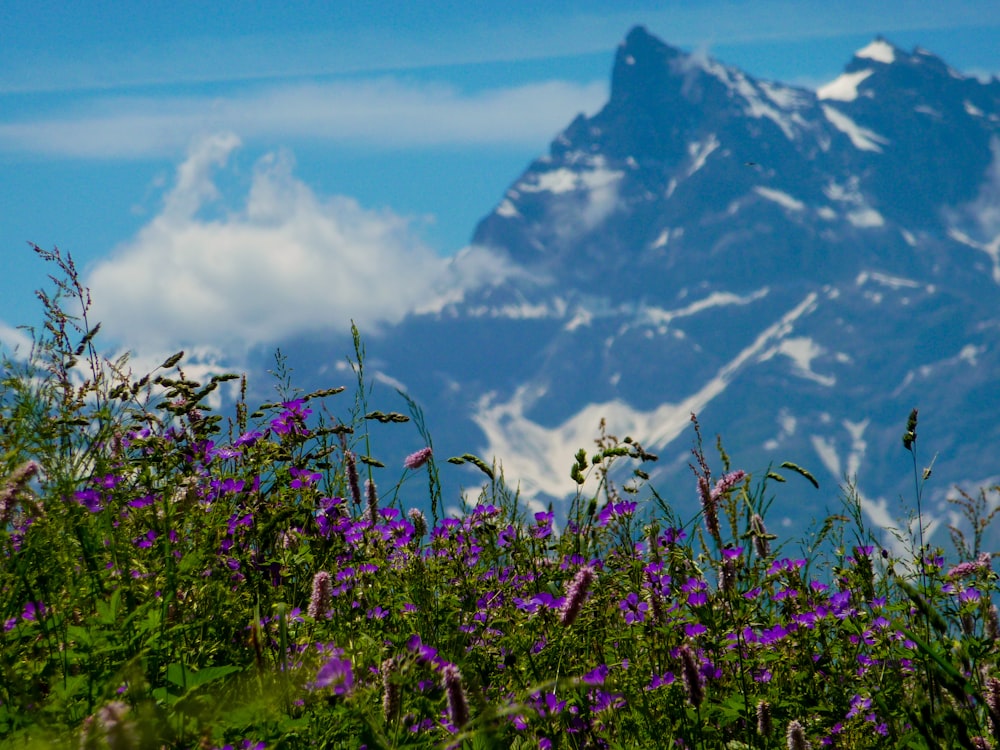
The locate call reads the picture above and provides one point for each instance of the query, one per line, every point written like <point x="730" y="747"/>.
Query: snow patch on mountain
<point x="879" y="50"/>
<point x="866" y="218"/>
<point x="507" y="209"/>
<point x="595" y="178"/>
<point x="843" y="88"/>
<point x="556" y="308"/>
<point x="537" y="453"/>
<point x="661" y="318"/>
<point x="862" y="138"/>
<point x="893" y="282"/>
<point x="700" y="151"/>
<point x="785" y="97"/>
<point x="759" y="100"/>
<point x="801" y="350"/>
<point x="781" y="198"/>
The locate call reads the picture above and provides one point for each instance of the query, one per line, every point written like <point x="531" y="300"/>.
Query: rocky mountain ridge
<point x="800" y="268"/>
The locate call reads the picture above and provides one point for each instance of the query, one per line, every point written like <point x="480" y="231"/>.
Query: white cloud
<point x="287" y="261"/>
<point x="14" y="342"/>
<point x="381" y="112"/>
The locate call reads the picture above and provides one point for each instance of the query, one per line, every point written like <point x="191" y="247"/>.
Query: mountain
<point x="800" y="268"/>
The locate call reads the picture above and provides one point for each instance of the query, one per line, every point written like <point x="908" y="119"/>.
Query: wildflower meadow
<point x="172" y="577"/>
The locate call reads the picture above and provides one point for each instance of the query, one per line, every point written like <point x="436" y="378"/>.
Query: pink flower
<point x="322" y="595"/>
<point x="418" y="459"/>
<point x="575" y="595"/>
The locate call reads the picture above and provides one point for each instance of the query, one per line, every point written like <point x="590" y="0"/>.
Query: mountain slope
<point x="799" y="268"/>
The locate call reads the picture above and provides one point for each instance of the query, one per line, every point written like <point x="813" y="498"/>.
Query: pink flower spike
<point x="418" y="459"/>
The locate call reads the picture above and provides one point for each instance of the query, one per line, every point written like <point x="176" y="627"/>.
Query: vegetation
<point x="173" y="579"/>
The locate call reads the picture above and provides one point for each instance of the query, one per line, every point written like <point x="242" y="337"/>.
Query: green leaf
<point x="189" y="680"/>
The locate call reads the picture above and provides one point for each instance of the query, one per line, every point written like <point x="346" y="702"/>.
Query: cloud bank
<point x="381" y="113"/>
<point x="287" y="261"/>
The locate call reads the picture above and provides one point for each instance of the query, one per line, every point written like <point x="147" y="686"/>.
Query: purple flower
<point x="292" y="420"/>
<point x="601" y="700"/>
<point x="667" y="678"/>
<point x="33" y="610"/>
<point x="694" y="628"/>
<point x="336" y="673"/>
<point x="695" y="589"/>
<point x="142" y="502"/>
<point x="633" y="608"/>
<point x="971" y="594"/>
<point x="772" y="634"/>
<point x="90" y="499"/>
<point x="547" y="704"/>
<point x="248" y="438"/>
<point x="543" y="525"/>
<point x="505" y="537"/>
<point x="303" y="478"/>
<point x="596" y="676"/>
<point x="418" y="459"/>
<point x="615" y="510"/>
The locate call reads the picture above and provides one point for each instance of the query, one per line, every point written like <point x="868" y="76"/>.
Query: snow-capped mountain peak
<point x="800" y="268"/>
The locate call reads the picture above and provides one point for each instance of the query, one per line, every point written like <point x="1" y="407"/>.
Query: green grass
<point x="171" y="578"/>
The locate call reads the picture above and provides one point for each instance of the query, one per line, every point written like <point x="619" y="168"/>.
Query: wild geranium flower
<point x="32" y="611"/>
<point x="303" y="478"/>
<point x="596" y="676"/>
<point x="602" y="700"/>
<point x="292" y="421"/>
<point x="547" y="704"/>
<point x="543" y="524"/>
<point x="694" y="628"/>
<point x="859" y="704"/>
<point x="612" y="511"/>
<point x="417" y="459"/>
<point x="695" y="589"/>
<point x="89" y="499"/>
<point x="336" y="673"/>
<point x="633" y="608"/>
<point x="661" y="680"/>
<point x="508" y="535"/>
<point x="248" y="438"/>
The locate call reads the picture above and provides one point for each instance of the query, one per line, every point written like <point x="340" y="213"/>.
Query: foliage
<point x="170" y="579"/>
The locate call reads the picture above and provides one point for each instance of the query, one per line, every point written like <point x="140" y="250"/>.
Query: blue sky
<point x="231" y="173"/>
